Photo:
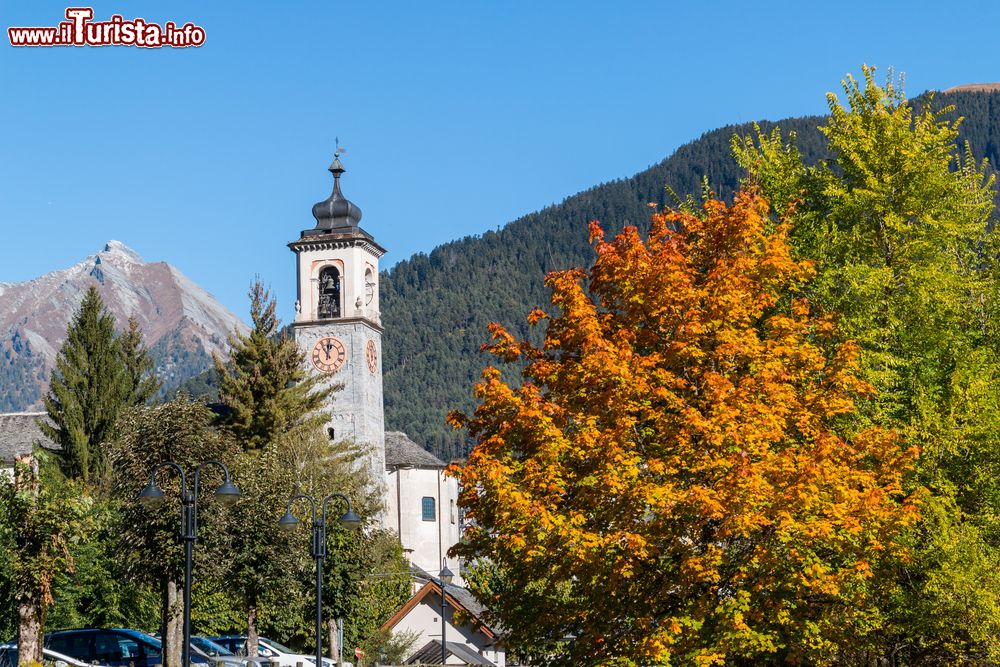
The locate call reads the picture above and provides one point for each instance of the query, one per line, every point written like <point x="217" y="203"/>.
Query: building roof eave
<point x="427" y="589"/>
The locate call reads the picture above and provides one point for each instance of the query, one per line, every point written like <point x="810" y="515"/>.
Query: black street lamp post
<point x="349" y="520"/>
<point x="152" y="496"/>
<point x="447" y="576"/>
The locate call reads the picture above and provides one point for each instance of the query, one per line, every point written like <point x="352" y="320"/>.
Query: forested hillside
<point x="436" y="307"/>
<point x="22" y="373"/>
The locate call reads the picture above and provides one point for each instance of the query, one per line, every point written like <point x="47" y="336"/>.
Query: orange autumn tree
<point x="676" y="480"/>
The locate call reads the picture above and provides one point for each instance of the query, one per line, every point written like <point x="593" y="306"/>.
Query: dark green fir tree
<point x="264" y="386"/>
<point x="97" y="375"/>
<point x="141" y="381"/>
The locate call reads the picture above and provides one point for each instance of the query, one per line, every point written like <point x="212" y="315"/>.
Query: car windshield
<point x="276" y="646"/>
<point x="210" y="647"/>
<point x="142" y="637"/>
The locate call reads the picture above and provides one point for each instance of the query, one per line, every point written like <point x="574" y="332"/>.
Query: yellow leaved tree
<point x="679" y="479"/>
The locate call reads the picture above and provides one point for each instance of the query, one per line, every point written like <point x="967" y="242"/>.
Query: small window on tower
<point x="329" y="293"/>
<point x="427" y="505"/>
<point x="330" y="432"/>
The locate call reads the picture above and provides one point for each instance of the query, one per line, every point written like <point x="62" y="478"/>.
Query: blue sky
<point x="458" y="117"/>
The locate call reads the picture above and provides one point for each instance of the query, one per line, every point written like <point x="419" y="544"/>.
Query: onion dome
<point x="336" y="213"/>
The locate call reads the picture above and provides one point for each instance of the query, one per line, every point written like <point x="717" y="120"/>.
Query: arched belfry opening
<point x="371" y="288"/>
<point x="329" y="293"/>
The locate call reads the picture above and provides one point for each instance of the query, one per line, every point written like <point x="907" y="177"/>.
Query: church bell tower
<point x="337" y="322"/>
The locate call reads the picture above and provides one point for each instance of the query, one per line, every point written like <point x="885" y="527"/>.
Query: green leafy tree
<point x="355" y="585"/>
<point x="897" y="222"/>
<point x="150" y="549"/>
<point x="214" y="609"/>
<point x="498" y="589"/>
<point x="263" y="562"/>
<point x="271" y="571"/>
<point x="99" y="592"/>
<point x="365" y="585"/>
<point x="8" y="607"/>
<point x="389" y="648"/>
<point x="97" y="374"/>
<point x="41" y="515"/>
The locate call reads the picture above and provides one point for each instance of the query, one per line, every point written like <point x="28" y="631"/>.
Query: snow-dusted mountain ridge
<point x="182" y="323"/>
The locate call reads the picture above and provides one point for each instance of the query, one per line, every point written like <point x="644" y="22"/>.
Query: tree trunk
<point x="331" y="627"/>
<point x="29" y="631"/>
<point x="252" y="632"/>
<point x="175" y="624"/>
<point x="164" y="613"/>
<point x="172" y="623"/>
<point x="31" y="604"/>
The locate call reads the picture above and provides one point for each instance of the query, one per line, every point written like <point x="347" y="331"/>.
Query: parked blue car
<point x="121" y="647"/>
<point x="116" y="647"/>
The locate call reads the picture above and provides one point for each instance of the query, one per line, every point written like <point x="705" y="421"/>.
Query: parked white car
<point x="50" y="658"/>
<point x="277" y="654"/>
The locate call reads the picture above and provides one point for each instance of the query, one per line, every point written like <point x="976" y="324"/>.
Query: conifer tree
<point x="96" y="376"/>
<point x="141" y="381"/>
<point x="264" y="386"/>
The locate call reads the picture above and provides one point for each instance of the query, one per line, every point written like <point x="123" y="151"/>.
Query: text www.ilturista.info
<point x="80" y="30"/>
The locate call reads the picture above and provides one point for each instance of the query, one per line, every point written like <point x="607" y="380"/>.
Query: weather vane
<point x="340" y="151"/>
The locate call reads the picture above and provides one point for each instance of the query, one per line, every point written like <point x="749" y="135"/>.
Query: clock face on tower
<point x="371" y="356"/>
<point x="328" y="355"/>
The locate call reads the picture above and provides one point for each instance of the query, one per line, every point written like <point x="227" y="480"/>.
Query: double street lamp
<point x="152" y="496"/>
<point x="349" y="520"/>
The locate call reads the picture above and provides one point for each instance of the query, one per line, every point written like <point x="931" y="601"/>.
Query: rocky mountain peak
<point x="183" y="324"/>
<point x="118" y="250"/>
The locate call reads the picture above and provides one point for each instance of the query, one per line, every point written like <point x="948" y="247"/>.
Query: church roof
<point x="336" y="213"/>
<point x="19" y="433"/>
<point x="430" y="654"/>
<point x="401" y="452"/>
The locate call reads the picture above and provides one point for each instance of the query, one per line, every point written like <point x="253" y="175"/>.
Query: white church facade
<point x="339" y="328"/>
<point x="421" y="503"/>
